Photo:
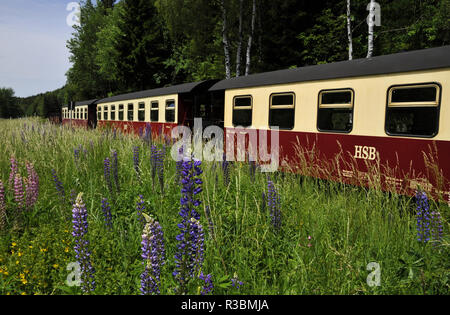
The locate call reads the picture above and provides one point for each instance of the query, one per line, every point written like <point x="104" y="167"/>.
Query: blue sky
<point x="33" y="54"/>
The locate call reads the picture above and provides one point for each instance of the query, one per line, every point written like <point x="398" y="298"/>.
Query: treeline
<point x="130" y="45"/>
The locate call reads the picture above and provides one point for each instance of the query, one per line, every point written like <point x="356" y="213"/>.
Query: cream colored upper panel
<point x="160" y="99"/>
<point x="370" y="101"/>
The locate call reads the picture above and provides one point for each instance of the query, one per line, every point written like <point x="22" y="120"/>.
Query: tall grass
<point x="330" y="232"/>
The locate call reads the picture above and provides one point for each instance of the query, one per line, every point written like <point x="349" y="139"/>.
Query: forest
<point x="130" y="45"/>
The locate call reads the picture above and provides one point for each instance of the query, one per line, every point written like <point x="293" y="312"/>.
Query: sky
<point x="33" y="54"/>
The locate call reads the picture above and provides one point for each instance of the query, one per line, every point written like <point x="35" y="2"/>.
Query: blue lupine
<point x="436" y="226"/>
<point x="190" y="255"/>
<point x="148" y="134"/>
<point x="226" y="170"/>
<point x="423" y="218"/>
<point x="208" y="287"/>
<point x="107" y="174"/>
<point x="154" y="255"/>
<point x="106" y="208"/>
<point x="274" y="205"/>
<point x="210" y="221"/>
<point x="83" y="255"/>
<point x="235" y="282"/>
<point x="59" y="186"/>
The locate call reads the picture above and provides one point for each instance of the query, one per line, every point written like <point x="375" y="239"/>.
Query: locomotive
<point x="379" y="121"/>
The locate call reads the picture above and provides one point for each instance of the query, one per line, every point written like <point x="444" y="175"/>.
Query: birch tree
<point x="239" y="47"/>
<point x="250" y="40"/>
<point x="371" y="22"/>
<point x="349" y="31"/>
<point x="226" y="44"/>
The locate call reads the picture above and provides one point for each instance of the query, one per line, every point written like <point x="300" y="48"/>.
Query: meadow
<point x="255" y="233"/>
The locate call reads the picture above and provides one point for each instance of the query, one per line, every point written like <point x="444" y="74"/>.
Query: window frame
<point x="106" y="113"/>
<point x="128" y="112"/>
<point x="437" y="105"/>
<point x="336" y="106"/>
<point x="99" y="110"/>
<point x="153" y="109"/>
<point x="121" y="112"/>
<point x="242" y="108"/>
<point x="112" y="111"/>
<point x="140" y="110"/>
<point x="293" y="106"/>
<point x="174" y="112"/>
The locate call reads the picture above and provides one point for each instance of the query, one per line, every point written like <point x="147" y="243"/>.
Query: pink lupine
<point x="18" y="192"/>
<point x="31" y="186"/>
<point x="2" y="207"/>
<point x="14" y="170"/>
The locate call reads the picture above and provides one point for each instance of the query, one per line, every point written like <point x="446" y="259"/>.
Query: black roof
<point x="176" y="89"/>
<point x="84" y="103"/>
<point x="425" y="59"/>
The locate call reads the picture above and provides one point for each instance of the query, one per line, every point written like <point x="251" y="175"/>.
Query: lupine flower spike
<point x="83" y="255"/>
<point x="106" y="208"/>
<point x="59" y="186"/>
<point x="31" y="186"/>
<point x="423" y="218"/>
<point x="154" y="255"/>
<point x="2" y="207"/>
<point x="208" y="287"/>
<point x="19" y="193"/>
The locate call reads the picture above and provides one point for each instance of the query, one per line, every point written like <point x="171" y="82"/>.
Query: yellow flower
<point x="30" y="247"/>
<point x="17" y="262"/>
<point x="67" y="249"/>
<point x="44" y="250"/>
<point x="13" y="244"/>
<point x="56" y="266"/>
<point x="23" y="293"/>
<point x="26" y="271"/>
<point x="22" y="276"/>
<point x="6" y="273"/>
<point x="24" y="281"/>
<point x="19" y="254"/>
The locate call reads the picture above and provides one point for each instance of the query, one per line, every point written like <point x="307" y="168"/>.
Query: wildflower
<point x="115" y="170"/>
<point x="226" y="170"/>
<point x="210" y="222"/>
<point x="423" y="218"/>
<point x="18" y="192"/>
<point x="140" y="207"/>
<point x="14" y="170"/>
<point x="107" y="174"/>
<point x="235" y="282"/>
<point x="76" y="154"/>
<point x="153" y="254"/>
<point x="2" y="207"/>
<point x="107" y="213"/>
<point x="83" y="255"/>
<point x="274" y="206"/>
<point x="59" y="186"/>
<point x="136" y="160"/>
<point x="148" y="134"/>
<point x="55" y="266"/>
<point x="31" y="186"/>
<point x="436" y="226"/>
<point x="208" y="286"/>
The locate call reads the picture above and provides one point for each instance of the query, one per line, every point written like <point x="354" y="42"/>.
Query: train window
<point x="113" y="112"/>
<point x="130" y="112"/>
<point x="85" y="114"/>
<point x="121" y="112"/>
<point x="155" y="112"/>
<point x="99" y="113"/>
<point x="243" y="111"/>
<point x="105" y="113"/>
<point x="336" y="111"/>
<point x="413" y="110"/>
<point x="141" y="114"/>
<point x="282" y="111"/>
<point x="170" y="111"/>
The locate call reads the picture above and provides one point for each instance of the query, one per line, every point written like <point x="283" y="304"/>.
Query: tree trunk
<point x="349" y="31"/>
<point x="250" y="40"/>
<point x="371" y="22"/>
<point x="239" y="48"/>
<point x="226" y="44"/>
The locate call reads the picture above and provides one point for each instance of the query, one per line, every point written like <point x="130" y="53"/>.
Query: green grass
<point x="350" y="227"/>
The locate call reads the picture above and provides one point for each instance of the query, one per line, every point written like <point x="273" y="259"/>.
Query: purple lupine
<point x="59" y="186"/>
<point x="210" y="221"/>
<point x="274" y="206"/>
<point x="140" y="207"/>
<point x="76" y="155"/>
<point x="14" y="171"/>
<point x="73" y="196"/>
<point x="154" y="255"/>
<point x="106" y="208"/>
<point x="148" y="134"/>
<point x="208" y="287"/>
<point x="235" y="282"/>
<point x="179" y="164"/>
<point x="436" y="226"/>
<point x="83" y="255"/>
<point x="107" y="174"/>
<point x="115" y="170"/>
<point x="423" y="217"/>
<point x="2" y="207"/>
<point x="136" y="161"/>
<point x="189" y="257"/>
<point x="19" y="192"/>
<point x="31" y="186"/>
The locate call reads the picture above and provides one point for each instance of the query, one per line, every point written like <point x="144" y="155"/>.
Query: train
<point x="382" y="121"/>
